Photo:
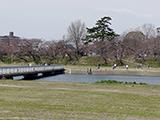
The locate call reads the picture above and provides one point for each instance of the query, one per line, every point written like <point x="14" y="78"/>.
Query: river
<point x="94" y="78"/>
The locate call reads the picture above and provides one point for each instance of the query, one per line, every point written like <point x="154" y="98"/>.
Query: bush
<point x="119" y="82"/>
<point x="109" y="82"/>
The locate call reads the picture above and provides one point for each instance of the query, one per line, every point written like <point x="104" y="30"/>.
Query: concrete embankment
<point x="110" y="71"/>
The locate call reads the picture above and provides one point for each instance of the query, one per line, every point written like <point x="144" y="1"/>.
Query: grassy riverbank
<point x="77" y="101"/>
<point x="108" y="70"/>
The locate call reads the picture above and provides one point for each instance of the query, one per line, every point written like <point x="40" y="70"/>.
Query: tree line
<point x="140" y="45"/>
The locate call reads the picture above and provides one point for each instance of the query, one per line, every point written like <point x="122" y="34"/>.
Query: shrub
<point x="119" y="82"/>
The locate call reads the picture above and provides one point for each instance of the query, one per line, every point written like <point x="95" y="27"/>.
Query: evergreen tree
<point x="101" y="31"/>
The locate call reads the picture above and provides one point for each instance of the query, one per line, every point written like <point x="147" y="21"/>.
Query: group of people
<point x="44" y="64"/>
<point x="89" y="70"/>
<point x="115" y="66"/>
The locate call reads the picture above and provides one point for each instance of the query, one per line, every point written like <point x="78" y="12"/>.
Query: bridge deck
<point x="21" y="70"/>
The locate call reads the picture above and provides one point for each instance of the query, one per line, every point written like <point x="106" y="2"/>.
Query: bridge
<point x="30" y="72"/>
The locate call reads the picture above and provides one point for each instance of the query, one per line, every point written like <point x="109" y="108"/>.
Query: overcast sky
<point x="49" y="19"/>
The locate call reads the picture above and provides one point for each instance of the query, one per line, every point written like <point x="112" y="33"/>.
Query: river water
<point x="94" y="78"/>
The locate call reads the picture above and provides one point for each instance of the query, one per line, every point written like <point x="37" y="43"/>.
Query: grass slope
<point x="35" y="100"/>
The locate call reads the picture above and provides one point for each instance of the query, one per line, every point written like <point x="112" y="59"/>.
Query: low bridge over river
<point x="30" y="72"/>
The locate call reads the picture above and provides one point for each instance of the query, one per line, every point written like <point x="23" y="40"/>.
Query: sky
<point x="49" y="19"/>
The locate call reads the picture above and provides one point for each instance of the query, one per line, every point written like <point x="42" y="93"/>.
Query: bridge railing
<point x="28" y="69"/>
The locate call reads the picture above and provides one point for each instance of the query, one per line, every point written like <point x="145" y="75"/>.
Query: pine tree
<point x="101" y="31"/>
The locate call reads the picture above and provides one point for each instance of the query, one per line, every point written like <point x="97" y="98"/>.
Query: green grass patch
<point x="152" y="63"/>
<point x="119" y="82"/>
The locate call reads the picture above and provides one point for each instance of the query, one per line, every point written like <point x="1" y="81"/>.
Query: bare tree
<point x="76" y="33"/>
<point x="148" y="30"/>
<point x="133" y="43"/>
<point x="29" y="50"/>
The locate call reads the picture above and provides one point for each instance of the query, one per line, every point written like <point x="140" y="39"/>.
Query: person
<point x="98" y="66"/>
<point x="126" y="67"/>
<point x="114" y="66"/>
<point x="139" y="66"/>
<point x="89" y="71"/>
<point x="29" y="64"/>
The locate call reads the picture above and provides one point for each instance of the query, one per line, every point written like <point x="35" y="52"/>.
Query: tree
<point x="134" y="43"/>
<point x="29" y="50"/>
<point x="76" y="33"/>
<point x="101" y="35"/>
<point x="149" y="30"/>
<point x="101" y="31"/>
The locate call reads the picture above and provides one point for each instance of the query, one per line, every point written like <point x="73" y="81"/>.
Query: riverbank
<point x="78" y="101"/>
<point x="110" y="71"/>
